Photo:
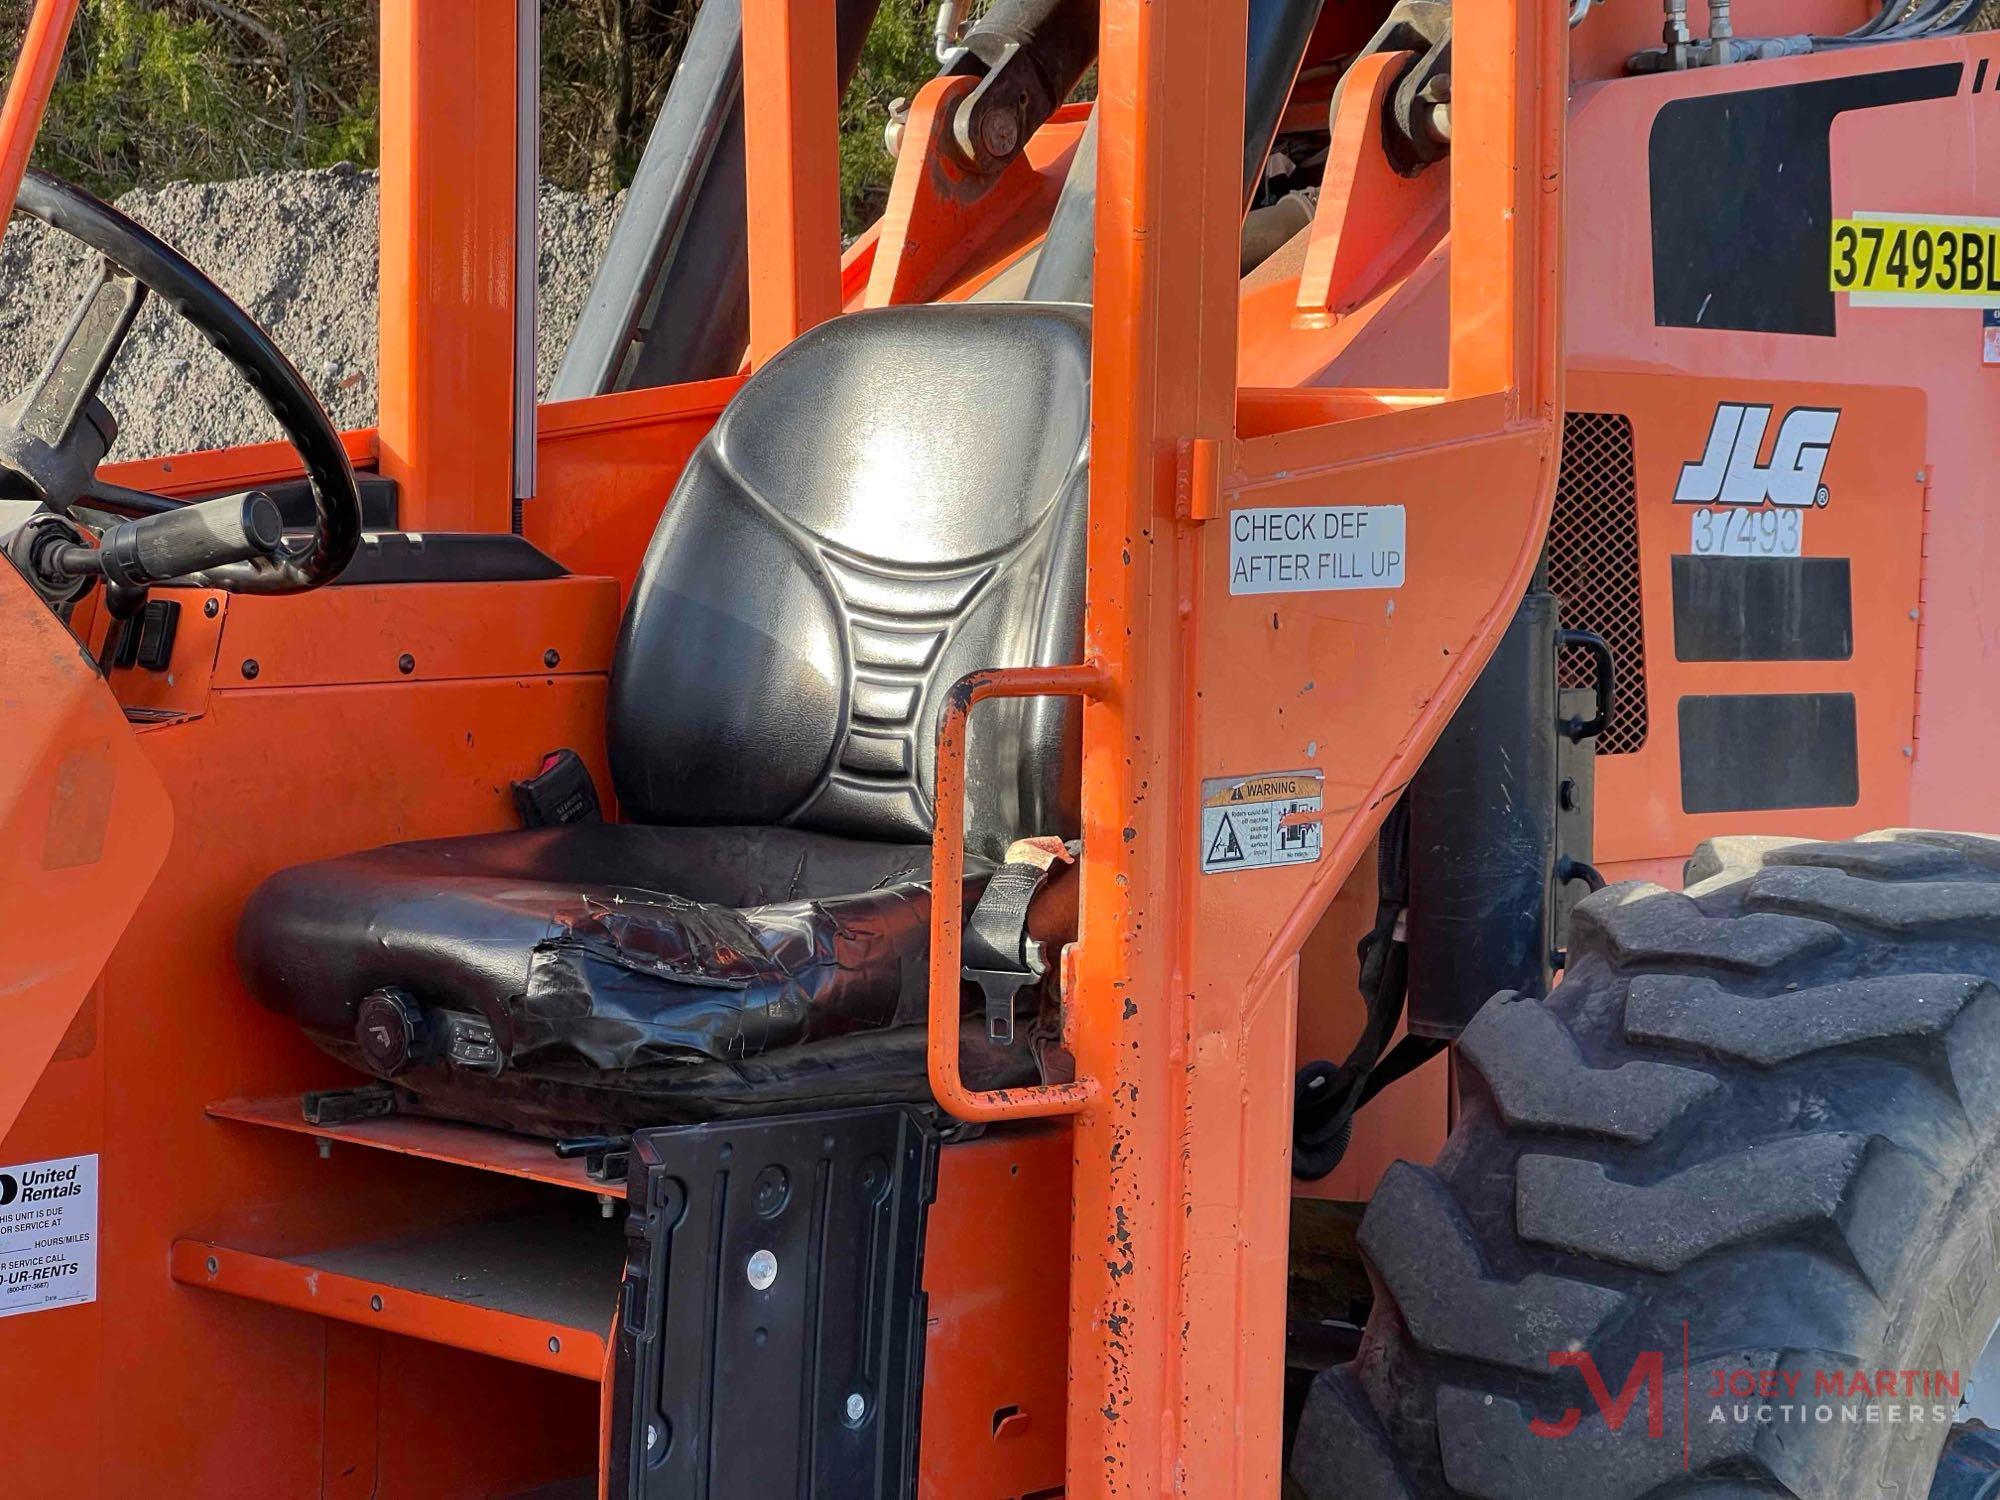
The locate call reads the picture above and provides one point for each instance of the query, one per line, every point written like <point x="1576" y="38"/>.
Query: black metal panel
<point x="1763" y="609"/>
<point x="1483" y="835"/>
<point x="771" y="1331"/>
<point x="448" y="557"/>
<point x="1576" y="808"/>
<point x="1742" y="198"/>
<point x="1757" y="752"/>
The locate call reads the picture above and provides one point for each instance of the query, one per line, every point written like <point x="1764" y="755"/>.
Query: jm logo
<point x="1728" y="472"/>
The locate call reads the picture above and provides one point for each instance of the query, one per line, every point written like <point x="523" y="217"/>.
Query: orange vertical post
<point x="1506" y="265"/>
<point x="791" y="136"/>
<point x="447" y="227"/>
<point x="28" y="93"/>
<point x="1157" y="1316"/>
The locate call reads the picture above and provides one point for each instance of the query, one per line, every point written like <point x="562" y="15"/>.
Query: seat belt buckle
<point x="996" y="934"/>
<point x="561" y="792"/>
<point x="1002" y="987"/>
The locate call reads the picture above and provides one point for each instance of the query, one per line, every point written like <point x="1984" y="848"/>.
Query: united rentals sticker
<point x="48" y="1234"/>
<point x="1255" y="822"/>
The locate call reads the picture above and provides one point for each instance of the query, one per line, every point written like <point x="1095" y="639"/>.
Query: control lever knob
<point x="191" y="539"/>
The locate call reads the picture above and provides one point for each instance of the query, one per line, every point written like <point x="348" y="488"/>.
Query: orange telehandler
<point x="857" y="904"/>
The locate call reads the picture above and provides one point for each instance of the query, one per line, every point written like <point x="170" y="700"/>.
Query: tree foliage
<point x="153" y="90"/>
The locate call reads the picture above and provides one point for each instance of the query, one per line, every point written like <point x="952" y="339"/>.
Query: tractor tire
<point x="1754" y="1135"/>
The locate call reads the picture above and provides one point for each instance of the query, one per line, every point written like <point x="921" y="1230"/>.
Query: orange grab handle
<point x="948" y="895"/>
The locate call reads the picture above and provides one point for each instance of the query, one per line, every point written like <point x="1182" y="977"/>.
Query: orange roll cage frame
<point x="1181" y="989"/>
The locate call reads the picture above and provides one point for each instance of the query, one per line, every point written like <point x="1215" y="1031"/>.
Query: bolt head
<point x="406" y="664"/>
<point x="250" y="668"/>
<point x="761" y="1270"/>
<point x="1000" y="132"/>
<point x="857" y="1406"/>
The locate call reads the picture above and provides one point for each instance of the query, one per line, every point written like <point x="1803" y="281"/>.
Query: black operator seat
<point x="895" y="500"/>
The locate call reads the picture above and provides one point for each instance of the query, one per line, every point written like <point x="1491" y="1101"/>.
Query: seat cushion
<point x="597" y="949"/>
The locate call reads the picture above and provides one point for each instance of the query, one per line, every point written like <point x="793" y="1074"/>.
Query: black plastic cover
<point x="1483" y="811"/>
<point x="1763" y="609"/>
<point x="771" y="1327"/>
<point x="1759" y="752"/>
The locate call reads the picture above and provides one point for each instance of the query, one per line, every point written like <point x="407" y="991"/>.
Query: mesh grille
<point x="1594" y="564"/>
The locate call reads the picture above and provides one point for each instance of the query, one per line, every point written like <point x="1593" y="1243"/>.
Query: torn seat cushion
<point x="610" y="946"/>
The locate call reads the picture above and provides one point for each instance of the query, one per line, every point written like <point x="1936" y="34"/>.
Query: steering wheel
<point x="53" y="438"/>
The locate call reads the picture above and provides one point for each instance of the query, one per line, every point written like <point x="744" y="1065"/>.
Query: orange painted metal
<point x="1087" y="682"/>
<point x="1369" y="216"/>
<point x="792" y="169"/>
<point x="84" y="826"/>
<point x="446" y="362"/>
<point x="942" y="215"/>
<point x="400" y="634"/>
<point x="607" y="466"/>
<point x="221" y="469"/>
<point x="1185" y="985"/>
<point x="1183" y="991"/>
<point x="260" y="780"/>
<point x="996" y="1276"/>
<point x="28" y="90"/>
<point x="304" y="1287"/>
<point x="433" y="1140"/>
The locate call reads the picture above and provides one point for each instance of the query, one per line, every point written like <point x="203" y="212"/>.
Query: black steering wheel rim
<point x="168" y="274"/>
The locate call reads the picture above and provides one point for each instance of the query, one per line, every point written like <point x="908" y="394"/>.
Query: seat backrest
<point x="895" y="500"/>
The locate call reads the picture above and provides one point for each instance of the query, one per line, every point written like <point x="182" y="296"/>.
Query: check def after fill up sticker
<point x="1300" y="549"/>
<point x="48" y="1234"/>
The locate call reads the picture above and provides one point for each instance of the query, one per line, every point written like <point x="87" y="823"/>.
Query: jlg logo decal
<point x="1728" y="472"/>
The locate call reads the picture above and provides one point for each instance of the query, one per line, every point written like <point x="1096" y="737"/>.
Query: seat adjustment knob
<point x="390" y="1031"/>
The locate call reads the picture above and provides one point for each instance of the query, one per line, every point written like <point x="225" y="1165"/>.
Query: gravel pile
<point x="298" y="251"/>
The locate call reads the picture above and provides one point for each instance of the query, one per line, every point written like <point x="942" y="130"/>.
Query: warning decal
<point x="48" y="1234"/>
<point x="1290" y="549"/>
<point x="1254" y="822"/>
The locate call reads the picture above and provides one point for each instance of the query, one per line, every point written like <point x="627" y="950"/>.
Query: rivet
<point x="761" y="1269"/>
<point x="214" y="1265"/>
<point x="406" y="664"/>
<point x="552" y="658"/>
<point x="555" y="1345"/>
<point x="857" y="1406"/>
<point x="375" y="1303"/>
<point x="250" y="667"/>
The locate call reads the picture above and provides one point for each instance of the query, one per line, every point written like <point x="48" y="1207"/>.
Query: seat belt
<point x="997" y="953"/>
